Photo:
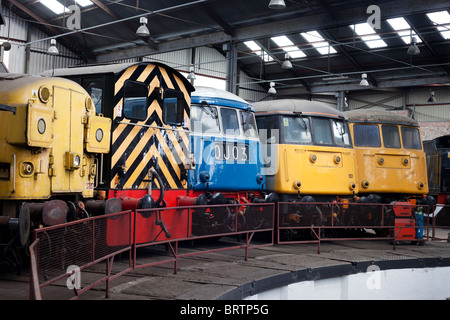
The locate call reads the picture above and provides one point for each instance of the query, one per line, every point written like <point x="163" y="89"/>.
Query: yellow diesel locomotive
<point x="309" y="157"/>
<point x="49" y="138"/>
<point x="309" y="150"/>
<point x="389" y="154"/>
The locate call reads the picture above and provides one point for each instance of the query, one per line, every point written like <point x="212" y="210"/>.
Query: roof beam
<point x="299" y="24"/>
<point x="213" y="15"/>
<point x="381" y="84"/>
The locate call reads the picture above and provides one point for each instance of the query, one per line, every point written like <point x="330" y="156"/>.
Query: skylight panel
<point x="288" y="46"/>
<point x="403" y="29"/>
<point x="318" y="42"/>
<point x="58" y="8"/>
<point x="54" y="6"/>
<point x="256" y="48"/>
<point x="84" y="3"/>
<point x="368" y="35"/>
<point x="441" y="18"/>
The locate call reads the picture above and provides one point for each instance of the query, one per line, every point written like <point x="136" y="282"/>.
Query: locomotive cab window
<point x="411" y="138"/>
<point x="135" y="100"/>
<point x="204" y="119"/>
<point x="296" y="130"/>
<point x="321" y="131"/>
<point x="95" y="89"/>
<point x="173" y="107"/>
<point x="341" y="134"/>
<point x="249" y="124"/>
<point x="230" y="122"/>
<point x="367" y="136"/>
<point x="268" y="129"/>
<point x="391" y="136"/>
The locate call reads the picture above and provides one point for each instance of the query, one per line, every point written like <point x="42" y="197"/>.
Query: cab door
<point x="66" y="162"/>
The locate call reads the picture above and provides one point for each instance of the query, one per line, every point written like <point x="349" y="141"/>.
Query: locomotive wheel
<point x="255" y="219"/>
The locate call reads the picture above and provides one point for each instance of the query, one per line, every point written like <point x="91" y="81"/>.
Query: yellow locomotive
<point x="390" y="158"/>
<point x="309" y="158"/>
<point x="49" y="139"/>
<point x="311" y="151"/>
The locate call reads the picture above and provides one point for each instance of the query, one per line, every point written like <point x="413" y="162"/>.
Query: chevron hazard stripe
<point x="139" y="144"/>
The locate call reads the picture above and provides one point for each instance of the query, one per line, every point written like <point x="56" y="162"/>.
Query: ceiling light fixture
<point x="143" y="31"/>
<point x="191" y="75"/>
<point x="272" y="88"/>
<point x="431" y="99"/>
<point x="53" y="50"/>
<point x="277" y="4"/>
<point x="413" y="48"/>
<point x="286" y="63"/>
<point x="364" y="81"/>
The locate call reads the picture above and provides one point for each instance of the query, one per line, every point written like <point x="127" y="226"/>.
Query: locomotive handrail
<point x="14" y="172"/>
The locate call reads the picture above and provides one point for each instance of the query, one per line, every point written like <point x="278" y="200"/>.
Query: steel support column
<point x="232" y="70"/>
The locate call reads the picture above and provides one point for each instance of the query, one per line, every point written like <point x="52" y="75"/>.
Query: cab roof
<point x="214" y="96"/>
<point x="289" y="106"/>
<point x="379" y="116"/>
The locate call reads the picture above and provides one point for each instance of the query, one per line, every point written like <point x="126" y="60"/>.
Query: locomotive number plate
<point x="231" y="151"/>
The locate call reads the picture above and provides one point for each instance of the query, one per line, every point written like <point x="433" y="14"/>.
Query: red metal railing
<point x="61" y="252"/>
<point x="86" y="243"/>
<point x="317" y="222"/>
<point x="440" y="220"/>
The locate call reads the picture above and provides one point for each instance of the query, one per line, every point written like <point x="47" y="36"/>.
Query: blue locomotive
<point x="227" y="151"/>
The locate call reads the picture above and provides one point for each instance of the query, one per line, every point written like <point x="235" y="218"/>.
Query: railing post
<point x="35" y="290"/>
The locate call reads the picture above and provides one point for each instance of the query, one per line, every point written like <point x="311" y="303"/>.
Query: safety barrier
<point x="440" y="218"/>
<point x="60" y="253"/>
<point x="317" y="222"/>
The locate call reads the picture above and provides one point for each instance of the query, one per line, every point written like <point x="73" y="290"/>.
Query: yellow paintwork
<point x="50" y="128"/>
<point x="320" y="170"/>
<point x="399" y="171"/>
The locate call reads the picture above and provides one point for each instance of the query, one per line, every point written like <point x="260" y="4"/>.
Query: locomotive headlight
<point x="72" y="161"/>
<point x="76" y="161"/>
<point x="352" y="186"/>
<point x="204" y="176"/>
<point x="41" y="126"/>
<point x="99" y="134"/>
<point x="337" y="159"/>
<point x="260" y="178"/>
<point x="420" y="185"/>
<point x="365" y="184"/>
<point x="297" y="184"/>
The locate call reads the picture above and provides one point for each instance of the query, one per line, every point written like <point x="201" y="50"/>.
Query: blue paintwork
<point x="224" y="175"/>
